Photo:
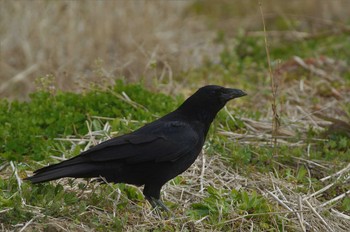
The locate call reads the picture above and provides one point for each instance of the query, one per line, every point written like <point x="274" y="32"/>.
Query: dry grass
<point x="137" y="40"/>
<point x="298" y="115"/>
<point x="70" y="39"/>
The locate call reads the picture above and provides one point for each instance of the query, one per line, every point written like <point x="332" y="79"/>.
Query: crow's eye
<point x="216" y="91"/>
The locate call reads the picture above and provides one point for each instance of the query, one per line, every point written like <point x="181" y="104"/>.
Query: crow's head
<point x="220" y="94"/>
<point x="216" y="96"/>
<point x="210" y="99"/>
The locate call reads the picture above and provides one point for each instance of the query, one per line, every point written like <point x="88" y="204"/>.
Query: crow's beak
<point x="229" y="94"/>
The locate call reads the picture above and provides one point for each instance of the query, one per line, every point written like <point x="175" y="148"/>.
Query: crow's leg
<point x="152" y="194"/>
<point x="157" y="203"/>
<point x="159" y="206"/>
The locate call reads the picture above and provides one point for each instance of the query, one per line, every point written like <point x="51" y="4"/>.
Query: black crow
<point x="153" y="154"/>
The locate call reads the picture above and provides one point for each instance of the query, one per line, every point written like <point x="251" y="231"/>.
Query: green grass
<point x="29" y="128"/>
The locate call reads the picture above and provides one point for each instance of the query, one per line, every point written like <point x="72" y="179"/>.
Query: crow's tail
<point x="70" y="168"/>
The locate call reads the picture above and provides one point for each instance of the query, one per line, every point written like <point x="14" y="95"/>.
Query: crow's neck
<point x="204" y="115"/>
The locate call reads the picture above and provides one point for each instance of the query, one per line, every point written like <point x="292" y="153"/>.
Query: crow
<point x="153" y="154"/>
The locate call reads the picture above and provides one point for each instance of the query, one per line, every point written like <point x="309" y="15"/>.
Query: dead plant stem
<point x="275" y="120"/>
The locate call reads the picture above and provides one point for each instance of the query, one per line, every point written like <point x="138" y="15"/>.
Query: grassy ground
<point x="250" y="176"/>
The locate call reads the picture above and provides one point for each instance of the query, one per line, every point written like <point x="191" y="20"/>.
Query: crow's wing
<point x="156" y="142"/>
<point x="159" y="141"/>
